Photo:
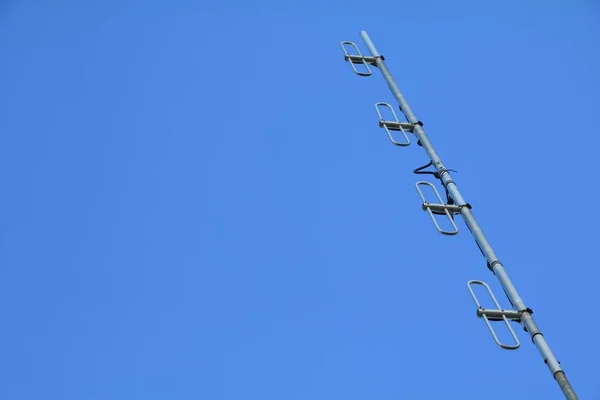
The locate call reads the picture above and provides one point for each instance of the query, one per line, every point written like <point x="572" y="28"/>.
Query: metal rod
<point x="492" y="260"/>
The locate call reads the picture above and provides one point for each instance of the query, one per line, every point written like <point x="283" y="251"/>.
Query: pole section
<point x="492" y="260"/>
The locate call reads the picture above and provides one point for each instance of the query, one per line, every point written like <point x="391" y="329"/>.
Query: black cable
<point x="437" y="174"/>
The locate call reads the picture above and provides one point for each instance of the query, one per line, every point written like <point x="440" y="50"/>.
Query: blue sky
<point x="197" y="202"/>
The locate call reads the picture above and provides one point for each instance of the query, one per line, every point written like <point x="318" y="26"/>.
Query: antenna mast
<point x="455" y="205"/>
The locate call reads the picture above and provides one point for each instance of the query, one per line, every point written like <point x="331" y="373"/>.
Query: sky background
<point x="197" y="202"/>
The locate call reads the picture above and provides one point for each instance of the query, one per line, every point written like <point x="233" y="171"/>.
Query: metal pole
<point x="492" y="260"/>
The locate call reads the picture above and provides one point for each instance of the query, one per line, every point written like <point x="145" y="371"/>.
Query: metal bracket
<point x="357" y="58"/>
<point x="395" y="125"/>
<point x="439" y="209"/>
<point x="496" y="315"/>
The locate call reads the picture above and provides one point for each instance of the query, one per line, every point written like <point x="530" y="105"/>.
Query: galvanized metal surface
<point x="394" y="125"/>
<point x="499" y="311"/>
<point x="429" y="209"/>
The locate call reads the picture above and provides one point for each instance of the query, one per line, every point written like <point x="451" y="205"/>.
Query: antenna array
<point x="397" y="131"/>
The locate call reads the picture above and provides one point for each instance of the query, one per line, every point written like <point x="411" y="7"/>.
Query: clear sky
<point x="197" y="202"/>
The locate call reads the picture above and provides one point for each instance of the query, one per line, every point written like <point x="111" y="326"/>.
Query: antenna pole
<point x="457" y="205"/>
